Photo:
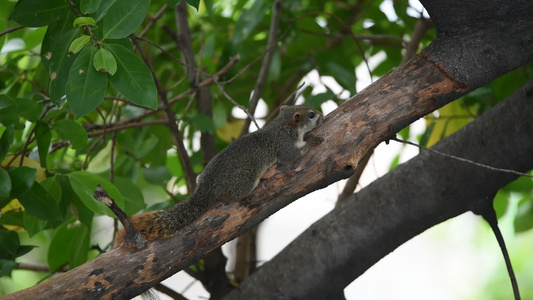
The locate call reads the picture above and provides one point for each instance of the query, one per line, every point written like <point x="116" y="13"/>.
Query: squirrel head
<point x="302" y="117"/>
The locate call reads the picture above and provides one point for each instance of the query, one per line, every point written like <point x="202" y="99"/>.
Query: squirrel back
<point x="234" y="172"/>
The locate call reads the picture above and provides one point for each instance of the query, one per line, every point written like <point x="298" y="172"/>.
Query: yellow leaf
<point x="13" y="205"/>
<point x="452" y="117"/>
<point x="27" y="162"/>
<point x="231" y="130"/>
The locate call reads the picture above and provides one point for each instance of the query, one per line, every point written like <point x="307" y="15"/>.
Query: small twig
<point x="132" y="236"/>
<point x="119" y="127"/>
<point x="87" y="154"/>
<point x="421" y="26"/>
<point x="290" y="100"/>
<point x="112" y="158"/>
<point x="38" y="267"/>
<point x="154" y="19"/>
<point x="347" y="29"/>
<point x="169" y="292"/>
<point x="462" y="159"/>
<point x="265" y="67"/>
<point x="186" y="109"/>
<point x="353" y="181"/>
<point x="236" y="104"/>
<point x="259" y="58"/>
<point x="10" y="30"/>
<point x="133" y="37"/>
<point x="183" y="40"/>
<point x="29" y="140"/>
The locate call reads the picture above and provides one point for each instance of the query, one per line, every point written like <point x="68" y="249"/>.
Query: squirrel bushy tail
<point x="164" y="223"/>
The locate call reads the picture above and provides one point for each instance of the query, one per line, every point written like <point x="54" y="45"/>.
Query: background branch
<point x="265" y="66"/>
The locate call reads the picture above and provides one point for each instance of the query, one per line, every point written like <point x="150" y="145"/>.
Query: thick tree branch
<point x="479" y="41"/>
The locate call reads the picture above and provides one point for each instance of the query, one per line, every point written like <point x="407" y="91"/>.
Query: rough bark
<point x="421" y="193"/>
<point x="477" y="41"/>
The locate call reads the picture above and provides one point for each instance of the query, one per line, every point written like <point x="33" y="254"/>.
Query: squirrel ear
<point x="296" y="117"/>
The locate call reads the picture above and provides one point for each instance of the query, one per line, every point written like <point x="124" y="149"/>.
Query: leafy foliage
<point x="80" y="105"/>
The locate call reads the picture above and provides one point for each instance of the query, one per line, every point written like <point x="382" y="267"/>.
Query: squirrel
<point x="234" y="172"/>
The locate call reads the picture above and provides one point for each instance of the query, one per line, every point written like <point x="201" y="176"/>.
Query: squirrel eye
<point x="311" y="114"/>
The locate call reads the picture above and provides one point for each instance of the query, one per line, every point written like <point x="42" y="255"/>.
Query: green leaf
<point x="86" y="87"/>
<point x="104" y="61"/>
<point x="6" y="141"/>
<point x="9" y="244"/>
<point x="84" y="185"/>
<point x="54" y="55"/>
<point x="103" y="9"/>
<point x="32" y="223"/>
<point x="157" y="175"/>
<point x="69" y="245"/>
<point x="133" y="79"/>
<point x="404" y="133"/>
<point x="193" y="3"/>
<point x="6" y="266"/>
<point x="395" y="162"/>
<point x="12" y="218"/>
<point x="520" y="185"/>
<point x="72" y="131"/>
<point x="69" y="196"/>
<point x="44" y="137"/>
<point x="146" y="145"/>
<point x="59" y="250"/>
<point x="40" y="203"/>
<point x="32" y="13"/>
<point x="133" y="197"/>
<point x="11" y="110"/>
<point x="203" y="123"/>
<point x="5" y="185"/>
<point x="248" y="20"/>
<point x="23" y="249"/>
<point x="52" y="186"/>
<point x="80" y="21"/>
<point x="124" y="17"/>
<point x="500" y="203"/>
<point x="89" y="6"/>
<point x="22" y="179"/>
<point x="79" y="246"/>
<point x="316" y="100"/>
<point x="220" y="116"/>
<point x="343" y="75"/>
<point x="524" y="216"/>
<point x="100" y="162"/>
<point x="425" y="136"/>
<point x="78" y="44"/>
<point x="6" y="7"/>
